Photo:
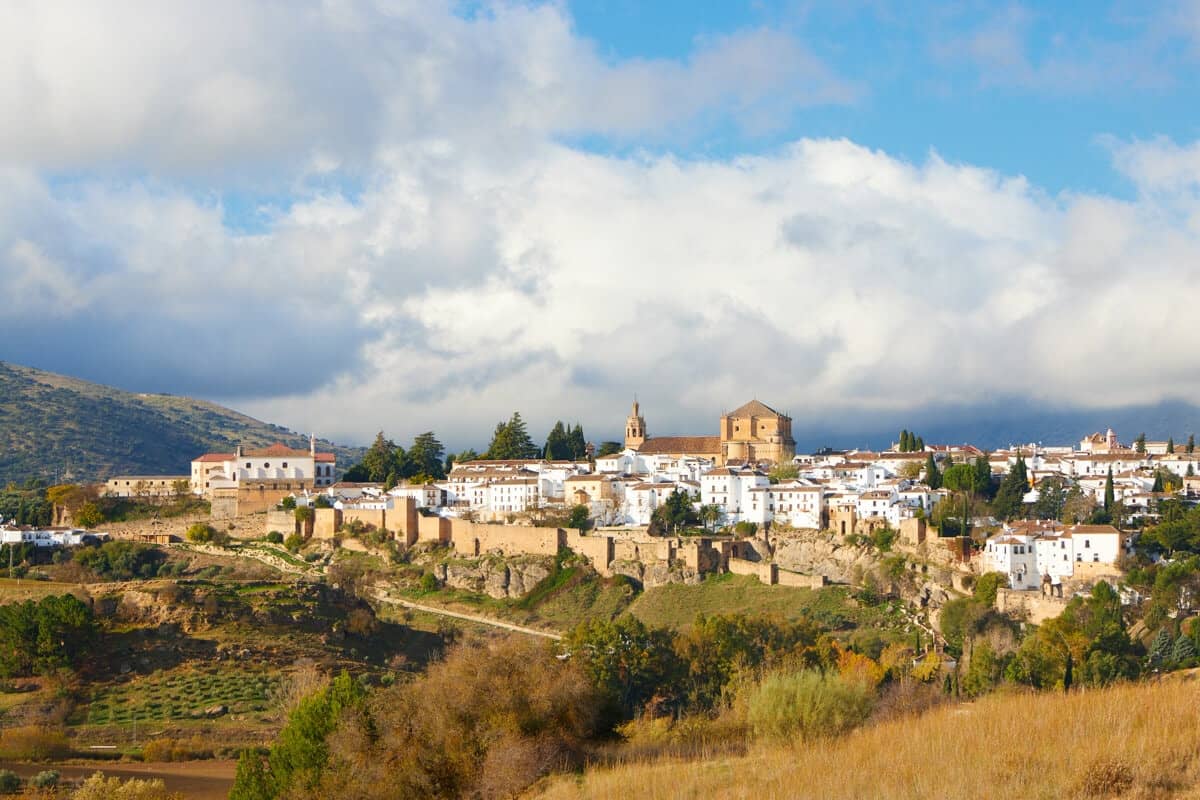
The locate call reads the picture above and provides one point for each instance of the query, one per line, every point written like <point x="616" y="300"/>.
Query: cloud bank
<point x="435" y="249"/>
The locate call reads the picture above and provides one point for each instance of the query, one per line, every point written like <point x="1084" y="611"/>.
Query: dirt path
<point x="383" y="597"/>
<point x="195" y="780"/>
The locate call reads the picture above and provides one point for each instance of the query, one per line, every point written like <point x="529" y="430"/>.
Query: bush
<point x="807" y="704"/>
<point x="99" y="787"/>
<point x="46" y="779"/>
<point x="293" y="542"/>
<point x="429" y="582"/>
<point x="10" y="782"/>
<point x="275" y="537"/>
<point x="200" y="533"/>
<point x="33" y="743"/>
<point x="122" y="560"/>
<point x="167" y="749"/>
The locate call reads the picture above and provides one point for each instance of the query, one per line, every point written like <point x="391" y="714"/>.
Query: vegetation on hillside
<point x="58" y="428"/>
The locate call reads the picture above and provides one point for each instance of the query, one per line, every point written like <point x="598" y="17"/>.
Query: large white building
<point x="1027" y="551"/>
<point x="277" y="463"/>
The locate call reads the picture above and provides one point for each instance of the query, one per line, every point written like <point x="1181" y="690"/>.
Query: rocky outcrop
<point x="814" y="553"/>
<point x="655" y="573"/>
<point x="495" y="577"/>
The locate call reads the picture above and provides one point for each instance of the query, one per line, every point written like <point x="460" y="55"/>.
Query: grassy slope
<point x="676" y="605"/>
<point x="90" y="431"/>
<point x="1136" y="741"/>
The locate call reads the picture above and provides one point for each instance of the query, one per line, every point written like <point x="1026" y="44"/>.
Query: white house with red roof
<point x="275" y="463"/>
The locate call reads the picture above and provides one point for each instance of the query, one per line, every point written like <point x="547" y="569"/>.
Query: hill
<point x="1135" y="740"/>
<point x="63" y="429"/>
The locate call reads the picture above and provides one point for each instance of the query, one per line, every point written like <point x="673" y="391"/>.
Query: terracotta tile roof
<point x="216" y="457"/>
<point x="326" y="458"/>
<point x="277" y="450"/>
<point x="684" y="445"/>
<point x="755" y="409"/>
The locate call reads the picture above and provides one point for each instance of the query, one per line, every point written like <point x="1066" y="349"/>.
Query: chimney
<point x="240" y="451"/>
<point x="312" y="445"/>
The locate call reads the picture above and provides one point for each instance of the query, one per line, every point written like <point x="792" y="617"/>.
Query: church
<point x="750" y="434"/>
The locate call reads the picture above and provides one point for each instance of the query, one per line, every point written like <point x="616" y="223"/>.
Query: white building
<point x="275" y="463"/>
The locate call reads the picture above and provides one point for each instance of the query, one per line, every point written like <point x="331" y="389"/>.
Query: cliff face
<point x="496" y="577"/>
<point x="816" y="553"/>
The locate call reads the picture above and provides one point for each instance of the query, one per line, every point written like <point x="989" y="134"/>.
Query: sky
<point x="359" y="215"/>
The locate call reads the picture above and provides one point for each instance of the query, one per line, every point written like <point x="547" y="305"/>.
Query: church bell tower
<point x="635" y="428"/>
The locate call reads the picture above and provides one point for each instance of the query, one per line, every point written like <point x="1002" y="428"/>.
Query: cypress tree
<point x="1068" y="675"/>
<point x="1158" y="482"/>
<point x="919" y="445"/>
<point x="576" y="444"/>
<point x="933" y="478"/>
<point x="1191" y="443"/>
<point x="983" y="476"/>
<point x="1170" y="444"/>
<point x="1109" y="493"/>
<point x="557" y="445"/>
<point x="1140" y="443"/>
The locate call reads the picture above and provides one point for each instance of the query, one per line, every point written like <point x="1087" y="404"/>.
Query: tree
<point x="919" y="445"/>
<point x="511" y="440"/>
<point x="676" y="511"/>
<point x="626" y="660"/>
<point x="1191" y="443"/>
<point x="906" y="443"/>
<point x="959" y="478"/>
<point x="983" y="477"/>
<point x="1140" y="443"/>
<point x="1011" y="494"/>
<point x="1109" y="491"/>
<point x="1051" y="499"/>
<point x="933" y="478"/>
<point x="460" y="458"/>
<point x="577" y="443"/>
<point x="558" y="447"/>
<point x="1170" y="444"/>
<point x="1157" y="488"/>
<point x="710" y="515"/>
<point x="609" y="448"/>
<point x="89" y="515"/>
<point x="425" y="456"/>
<point x="380" y="461"/>
<point x="579" y="518"/>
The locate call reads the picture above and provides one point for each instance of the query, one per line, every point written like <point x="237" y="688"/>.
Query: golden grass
<point x="1134" y="741"/>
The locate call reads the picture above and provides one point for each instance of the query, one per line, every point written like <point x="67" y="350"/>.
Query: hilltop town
<point x="922" y="573"/>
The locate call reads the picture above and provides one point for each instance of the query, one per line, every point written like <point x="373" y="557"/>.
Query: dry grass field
<point x="1133" y="741"/>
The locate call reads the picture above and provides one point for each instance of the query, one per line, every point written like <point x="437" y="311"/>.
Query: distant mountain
<point x="65" y="429"/>
<point x="997" y="424"/>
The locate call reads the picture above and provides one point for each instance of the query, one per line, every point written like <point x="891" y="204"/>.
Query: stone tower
<point x="635" y="428"/>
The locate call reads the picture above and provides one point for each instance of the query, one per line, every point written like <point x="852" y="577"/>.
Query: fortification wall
<point x="376" y="518"/>
<point x="795" y="579"/>
<point x="766" y="572"/>
<point x="283" y="521"/>
<point x="473" y="538"/>
<point x="1038" y="607"/>
<point x="325" y="522"/>
<point x="600" y="550"/>
<point x="433" y="529"/>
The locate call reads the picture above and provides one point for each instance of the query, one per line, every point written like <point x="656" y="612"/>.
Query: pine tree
<point x="511" y="440"/>
<point x="1109" y="491"/>
<point x="558" y="447"/>
<point x="577" y="445"/>
<point x="983" y="476"/>
<point x="1170" y="444"/>
<point x="1160" y="647"/>
<point x="1184" y="651"/>
<point x="1158" y="482"/>
<point x="933" y="478"/>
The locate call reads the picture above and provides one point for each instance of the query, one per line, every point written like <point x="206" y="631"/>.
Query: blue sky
<point x="950" y="77"/>
<point x="426" y="214"/>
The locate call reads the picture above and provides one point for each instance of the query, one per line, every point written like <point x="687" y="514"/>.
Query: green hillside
<point x="60" y="428"/>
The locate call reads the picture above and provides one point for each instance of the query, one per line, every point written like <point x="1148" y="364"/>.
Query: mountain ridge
<point x="59" y="428"/>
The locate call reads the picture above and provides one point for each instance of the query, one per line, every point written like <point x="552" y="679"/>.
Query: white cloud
<point x="482" y="265"/>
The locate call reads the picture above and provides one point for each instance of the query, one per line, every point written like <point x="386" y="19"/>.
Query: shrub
<point x="10" y="782"/>
<point x="33" y="743"/>
<point x="288" y="503"/>
<point x="99" y="787"/>
<point x="293" y="542"/>
<point x="429" y="582"/>
<point x="275" y="537"/>
<point x="200" y="533"/>
<point x="167" y="749"/>
<point x="807" y="704"/>
<point x="46" y="779"/>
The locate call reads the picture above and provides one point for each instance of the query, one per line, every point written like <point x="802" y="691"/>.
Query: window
<point x="247" y="465"/>
<point x="1087" y="543"/>
<point x="284" y="465"/>
<point x="266" y="465"/>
